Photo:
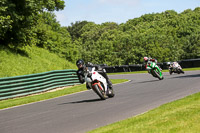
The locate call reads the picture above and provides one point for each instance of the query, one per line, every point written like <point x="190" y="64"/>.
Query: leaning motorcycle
<point x="176" y="68"/>
<point x="154" y="70"/>
<point x="98" y="83"/>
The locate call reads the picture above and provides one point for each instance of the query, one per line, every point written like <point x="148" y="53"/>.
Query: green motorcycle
<point x="154" y="70"/>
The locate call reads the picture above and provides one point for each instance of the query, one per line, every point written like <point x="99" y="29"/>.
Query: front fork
<point x="158" y="70"/>
<point x="97" y="83"/>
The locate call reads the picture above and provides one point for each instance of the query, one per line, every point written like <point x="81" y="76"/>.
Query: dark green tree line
<point x="167" y="36"/>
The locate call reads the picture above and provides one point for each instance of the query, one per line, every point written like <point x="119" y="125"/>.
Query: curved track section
<point x="81" y="112"/>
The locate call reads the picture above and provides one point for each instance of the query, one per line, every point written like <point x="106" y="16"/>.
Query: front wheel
<point x="182" y="71"/>
<point x="158" y="74"/>
<point x="99" y="90"/>
<point x="170" y="72"/>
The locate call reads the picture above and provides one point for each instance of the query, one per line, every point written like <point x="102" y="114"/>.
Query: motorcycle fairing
<point x="96" y="76"/>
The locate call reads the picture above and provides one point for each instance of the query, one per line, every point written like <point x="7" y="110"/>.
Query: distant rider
<point x="81" y="67"/>
<point x="148" y="60"/>
<point x="174" y="65"/>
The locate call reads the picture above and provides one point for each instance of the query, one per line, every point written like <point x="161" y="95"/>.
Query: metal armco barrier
<point x="11" y="87"/>
<point x="189" y="63"/>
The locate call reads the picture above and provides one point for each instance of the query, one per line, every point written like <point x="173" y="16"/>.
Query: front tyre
<point x="100" y="91"/>
<point x="182" y="71"/>
<point x="158" y="74"/>
<point x="170" y="72"/>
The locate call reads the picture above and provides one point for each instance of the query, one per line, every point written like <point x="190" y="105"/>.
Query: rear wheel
<point x="111" y="92"/>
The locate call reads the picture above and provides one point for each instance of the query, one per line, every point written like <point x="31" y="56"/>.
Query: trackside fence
<point x="189" y="63"/>
<point x="11" y="87"/>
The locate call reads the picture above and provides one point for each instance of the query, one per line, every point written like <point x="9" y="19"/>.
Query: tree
<point x="19" y="17"/>
<point x="75" y="29"/>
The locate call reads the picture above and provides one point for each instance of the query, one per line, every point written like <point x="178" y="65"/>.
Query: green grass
<point x="48" y="95"/>
<point x="37" y="60"/>
<point x="191" y="69"/>
<point x="181" y="116"/>
<point x="116" y="81"/>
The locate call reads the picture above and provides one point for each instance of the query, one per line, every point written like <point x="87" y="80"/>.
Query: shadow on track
<point x="83" y="101"/>
<point x="188" y="76"/>
<point x="149" y="81"/>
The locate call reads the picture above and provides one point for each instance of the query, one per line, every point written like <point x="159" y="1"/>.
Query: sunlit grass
<point x="181" y="116"/>
<point x="37" y="60"/>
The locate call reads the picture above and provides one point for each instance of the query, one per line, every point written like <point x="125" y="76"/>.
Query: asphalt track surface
<point x="82" y="112"/>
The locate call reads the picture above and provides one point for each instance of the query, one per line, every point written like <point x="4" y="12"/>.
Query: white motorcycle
<point x="98" y="83"/>
<point x="175" y="68"/>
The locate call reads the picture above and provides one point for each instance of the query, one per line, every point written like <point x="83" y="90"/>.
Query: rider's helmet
<point x="146" y="59"/>
<point x="168" y="63"/>
<point x="80" y="63"/>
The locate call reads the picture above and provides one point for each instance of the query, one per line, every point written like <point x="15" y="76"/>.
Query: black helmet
<point x="79" y="62"/>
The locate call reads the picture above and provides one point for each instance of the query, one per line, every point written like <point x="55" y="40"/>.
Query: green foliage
<point x="167" y="36"/>
<point x="53" y="37"/>
<point x="18" y="18"/>
<point x="75" y="29"/>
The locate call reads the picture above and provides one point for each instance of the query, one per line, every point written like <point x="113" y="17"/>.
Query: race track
<point x="82" y="112"/>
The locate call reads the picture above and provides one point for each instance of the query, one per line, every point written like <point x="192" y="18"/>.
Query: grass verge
<point x="182" y="116"/>
<point x="37" y="60"/>
<point x="44" y="96"/>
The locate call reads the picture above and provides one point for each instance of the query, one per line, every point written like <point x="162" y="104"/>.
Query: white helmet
<point x="146" y="58"/>
<point x="168" y="63"/>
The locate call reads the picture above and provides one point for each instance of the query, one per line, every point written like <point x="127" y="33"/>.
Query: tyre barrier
<point x="189" y="63"/>
<point x="11" y="87"/>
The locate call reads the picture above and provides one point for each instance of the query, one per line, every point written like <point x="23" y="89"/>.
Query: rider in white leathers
<point x="175" y="67"/>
